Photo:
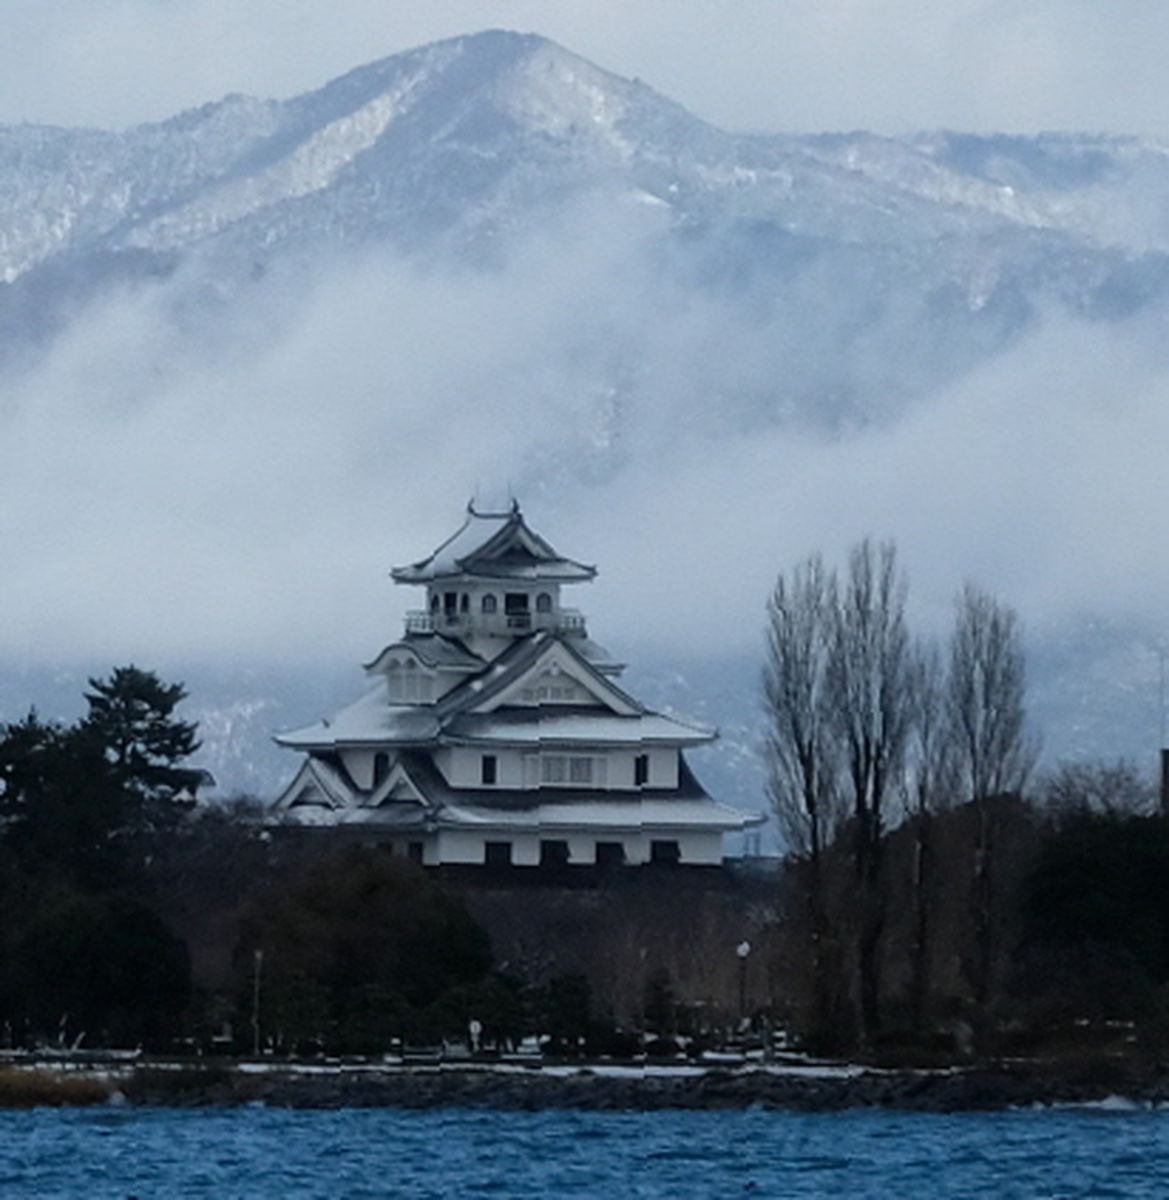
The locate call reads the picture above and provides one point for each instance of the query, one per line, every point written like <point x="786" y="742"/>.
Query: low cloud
<point x="237" y="488"/>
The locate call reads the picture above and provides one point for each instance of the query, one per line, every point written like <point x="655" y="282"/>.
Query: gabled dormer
<point x="421" y="669"/>
<point x="397" y="788"/>
<point x="554" y="675"/>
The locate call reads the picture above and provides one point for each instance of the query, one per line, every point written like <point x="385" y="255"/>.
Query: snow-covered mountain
<point x="450" y="147"/>
<point x="868" y="272"/>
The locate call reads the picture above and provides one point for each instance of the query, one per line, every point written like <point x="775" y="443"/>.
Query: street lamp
<point x="743" y="950"/>
<point x="257" y="964"/>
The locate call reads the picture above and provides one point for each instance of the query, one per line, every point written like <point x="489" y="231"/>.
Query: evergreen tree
<point x="132" y="719"/>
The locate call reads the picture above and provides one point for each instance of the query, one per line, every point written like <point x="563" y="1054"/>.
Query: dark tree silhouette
<point x="132" y="719"/>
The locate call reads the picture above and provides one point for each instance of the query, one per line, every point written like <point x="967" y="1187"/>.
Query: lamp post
<point x="743" y="950"/>
<point x="257" y="964"/>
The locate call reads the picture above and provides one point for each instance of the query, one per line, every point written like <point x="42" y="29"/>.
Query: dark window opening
<point x="434" y="603"/>
<point x="515" y="605"/>
<point x="641" y="770"/>
<point x="543" y="603"/>
<point x="381" y="768"/>
<point x="488" y="604"/>
<point x="497" y="854"/>
<point x="610" y="854"/>
<point x="665" y="853"/>
<point x="414" y="852"/>
<point x="553" y="854"/>
<point x="488" y="768"/>
<point x="464" y="603"/>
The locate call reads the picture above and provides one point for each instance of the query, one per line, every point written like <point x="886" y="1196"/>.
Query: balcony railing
<point x="567" y="620"/>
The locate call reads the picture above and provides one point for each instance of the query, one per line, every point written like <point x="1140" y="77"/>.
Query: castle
<point x="495" y="732"/>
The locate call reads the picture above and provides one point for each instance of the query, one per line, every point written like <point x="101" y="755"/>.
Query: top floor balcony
<point x="497" y="624"/>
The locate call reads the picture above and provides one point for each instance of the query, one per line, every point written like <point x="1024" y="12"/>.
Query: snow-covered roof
<point x="433" y="649"/>
<point x="494" y="545"/>
<point x="538" y="809"/>
<point x="632" y="814"/>
<point x="370" y="720"/>
<point x="548" y="725"/>
<point x="524" y="657"/>
<point x="616" y="719"/>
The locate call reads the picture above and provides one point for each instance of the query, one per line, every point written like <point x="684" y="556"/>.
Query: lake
<point x="265" y="1152"/>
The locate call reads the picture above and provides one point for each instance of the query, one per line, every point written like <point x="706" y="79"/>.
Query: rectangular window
<point x="497" y="854"/>
<point x="488" y="769"/>
<point x="515" y="607"/>
<point x="641" y="770"/>
<point x="610" y="854"/>
<point x="414" y="852"/>
<point x="664" y="853"/>
<point x="580" y="770"/>
<point x="553" y="853"/>
<point x="576" y="770"/>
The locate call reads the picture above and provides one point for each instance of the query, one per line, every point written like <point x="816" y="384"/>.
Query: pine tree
<point x="132" y="719"/>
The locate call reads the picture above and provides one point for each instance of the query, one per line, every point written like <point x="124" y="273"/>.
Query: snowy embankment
<point x="791" y="1084"/>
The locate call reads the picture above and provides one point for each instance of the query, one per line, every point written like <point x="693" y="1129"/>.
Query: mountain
<point x="851" y="278"/>
<point x="452" y="148"/>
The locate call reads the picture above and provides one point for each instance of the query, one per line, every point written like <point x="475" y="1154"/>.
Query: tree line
<point x="936" y="893"/>
<point x="132" y="915"/>
<point x="921" y="866"/>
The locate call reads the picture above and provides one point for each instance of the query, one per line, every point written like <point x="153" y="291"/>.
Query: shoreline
<point x="790" y="1086"/>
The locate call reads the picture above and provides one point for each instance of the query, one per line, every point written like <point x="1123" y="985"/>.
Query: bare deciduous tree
<point x="929" y="786"/>
<point x="801" y="767"/>
<point x="995" y="751"/>
<point x="800" y="775"/>
<point x="870" y="708"/>
<point x="987" y="682"/>
<point x="1107" y="789"/>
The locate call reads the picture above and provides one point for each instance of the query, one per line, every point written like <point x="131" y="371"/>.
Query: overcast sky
<point x="887" y="65"/>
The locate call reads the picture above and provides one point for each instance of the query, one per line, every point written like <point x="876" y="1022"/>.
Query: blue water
<point x="259" y="1152"/>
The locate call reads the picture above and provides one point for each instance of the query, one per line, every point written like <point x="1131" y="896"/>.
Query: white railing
<point x="567" y="620"/>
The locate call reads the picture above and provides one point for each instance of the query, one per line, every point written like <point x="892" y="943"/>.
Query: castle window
<point x="488" y="603"/>
<point x="381" y="768"/>
<point x="610" y="854"/>
<point x="553" y="853"/>
<point x="543" y="603"/>
<point x="572" y="770"/>
<point x="641" y="770"/>
<point x="515" y="605"/>
<point x="464" y="603"/>
<point x="497" y="854"/>
<point x="488" y="768"/>
<point x="664" y="853"/>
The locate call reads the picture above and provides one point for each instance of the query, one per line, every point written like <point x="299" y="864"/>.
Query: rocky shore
<point x="811" y="1088"/>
